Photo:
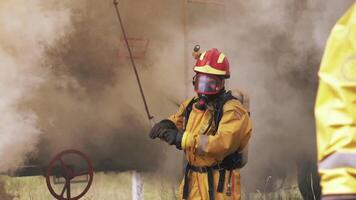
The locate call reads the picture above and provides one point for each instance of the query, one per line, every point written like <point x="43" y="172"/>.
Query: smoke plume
<point x="26" y="29"/>
<point x="90" y="100"/>
<point x="66" y="81"/>
<point x="281" y="46"/>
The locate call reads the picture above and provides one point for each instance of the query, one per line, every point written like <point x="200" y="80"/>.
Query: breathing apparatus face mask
<point x="206" y="86"/>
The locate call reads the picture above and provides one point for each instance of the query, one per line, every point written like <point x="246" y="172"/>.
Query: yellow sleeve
<point x="178" y="117"/>
<point x="335" y="110"/>
<point x="233" y="133"/>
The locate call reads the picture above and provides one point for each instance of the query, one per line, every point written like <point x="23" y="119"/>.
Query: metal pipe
<point x="149" y="116"/>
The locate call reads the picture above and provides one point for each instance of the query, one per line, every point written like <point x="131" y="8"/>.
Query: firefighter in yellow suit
<point x="212" y="129"/>
<point x="335" y="112"/>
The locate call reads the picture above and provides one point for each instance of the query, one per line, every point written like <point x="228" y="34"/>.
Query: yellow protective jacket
<point x="335" y="111"/>
<point x="207" y="150"/>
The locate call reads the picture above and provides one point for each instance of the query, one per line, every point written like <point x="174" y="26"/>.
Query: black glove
<point x="161" y="126"/>
<point x="172" y="137"/>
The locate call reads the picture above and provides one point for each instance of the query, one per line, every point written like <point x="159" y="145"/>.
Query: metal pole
<point x="185" y="50"/>
<point x="149" y="116"/>
<point x="68" y="188"/>
<point x="137" y="186"/>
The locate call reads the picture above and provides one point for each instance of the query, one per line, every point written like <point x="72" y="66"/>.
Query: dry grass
<point x="109" y="186"/>
<point x="3" y="194"/>
<point x="113" y="186"/>
<point x="286" y="194"/>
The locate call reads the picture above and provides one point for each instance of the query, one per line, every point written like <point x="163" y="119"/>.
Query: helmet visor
<point x="207" y="84"/>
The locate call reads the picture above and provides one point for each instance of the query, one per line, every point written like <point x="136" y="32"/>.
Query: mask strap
<point x="194" y="77"/>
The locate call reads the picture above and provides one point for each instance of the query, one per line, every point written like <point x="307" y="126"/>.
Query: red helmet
<point x="213" y="62"/>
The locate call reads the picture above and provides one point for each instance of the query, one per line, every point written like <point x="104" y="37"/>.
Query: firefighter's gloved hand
<point x="161" y="126"/>
<point x="172" y="137"/>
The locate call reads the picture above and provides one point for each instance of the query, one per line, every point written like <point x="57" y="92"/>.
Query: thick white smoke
<point x="27" y="28"/>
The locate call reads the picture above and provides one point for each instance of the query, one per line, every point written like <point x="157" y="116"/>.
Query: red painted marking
<point x="138" y="48"/>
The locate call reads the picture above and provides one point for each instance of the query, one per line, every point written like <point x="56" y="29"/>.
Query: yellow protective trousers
<point x="335" y="111"/>
<point x="204" y="146"/>
<point x="198" y="186"/>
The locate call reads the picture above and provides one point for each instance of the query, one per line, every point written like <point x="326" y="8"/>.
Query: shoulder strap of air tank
<point x="218" y="111"/>
<point x="187" y="111"/>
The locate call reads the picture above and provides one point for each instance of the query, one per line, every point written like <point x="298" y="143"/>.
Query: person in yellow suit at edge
<point x="212" y="129"/>
<point x="335" y="111"/>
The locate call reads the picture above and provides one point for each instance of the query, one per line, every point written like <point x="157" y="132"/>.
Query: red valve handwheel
<point x="69" y="174"/>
